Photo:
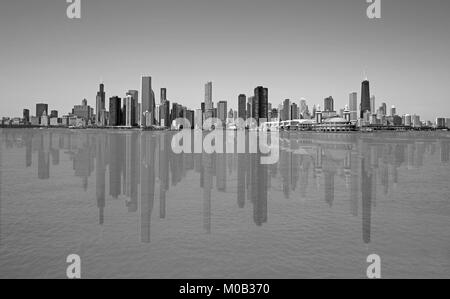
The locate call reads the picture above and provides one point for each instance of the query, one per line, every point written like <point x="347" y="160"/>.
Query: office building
<point x="365" y="98"/>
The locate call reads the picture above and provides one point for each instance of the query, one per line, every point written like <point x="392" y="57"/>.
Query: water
<point x="131" y="208"/>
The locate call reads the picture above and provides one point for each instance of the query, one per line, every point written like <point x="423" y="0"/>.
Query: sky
<point x="299" y="49"/>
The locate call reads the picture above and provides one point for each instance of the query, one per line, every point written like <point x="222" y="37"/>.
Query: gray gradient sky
<point x="297" y="48"/>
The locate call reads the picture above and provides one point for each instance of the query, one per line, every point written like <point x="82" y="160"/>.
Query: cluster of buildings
<point x="141" y="110"/>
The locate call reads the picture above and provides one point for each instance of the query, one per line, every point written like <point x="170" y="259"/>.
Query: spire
<point x="365" y="76"/>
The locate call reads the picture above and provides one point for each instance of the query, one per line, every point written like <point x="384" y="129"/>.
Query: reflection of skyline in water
<point x="137" y="167"/>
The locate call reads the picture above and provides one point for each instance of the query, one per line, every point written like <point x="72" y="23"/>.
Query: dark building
<point x="329" y="104"/>
<point x="26" y="116"/>
<point x="242" y="104"/>
<point x="163" y="95"/>
<point x="164" y="112"/>
<point x="53" y="114"/>
<point x="260" y="104"/>
<point x="203" y="107"/>
<point x="115" y="112"/>
<point x="286" y="110"/>
<point x="365" y="97"/>
<point x="100" y="103"/>
<point x="40" y="109"/>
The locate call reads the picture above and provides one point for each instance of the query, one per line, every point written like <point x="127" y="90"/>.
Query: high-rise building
<point x="40" y="109"/>
<point x="261" y="103"/>
<point x="393" y="111"/>
<point x="365" y="97"/>
<point x="26" y="116"/>
<point x="209" y="105"/>
<point x="198" y="119"/>
<point x="148" y="101"/>
<point x="373" y="107"/>
<point x="164" y="114"/>
<point x="100" y="104"/>
<point x="328" y="104"/>
<point x="383" y="109"/>
<point x="440" y="123"/>
<point x="294" y="111"/>
<point x="163" y="95"/>
<point x="242" y="104"/>
<point x="115" y="113"/>
<point x="286" y="110"/>
<point x="83" y="111"/>
<point x="136" y="108"/>
<point x="353" y="106"/>
<point x="222" y="107"/>
<point x="53" y="114"/>
<point x="129" y="111"/>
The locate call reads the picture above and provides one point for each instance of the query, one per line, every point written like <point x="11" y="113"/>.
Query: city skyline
<point x="318" y="60"/>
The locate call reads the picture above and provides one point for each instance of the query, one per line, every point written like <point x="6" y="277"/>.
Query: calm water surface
<point x="131" y="208"/>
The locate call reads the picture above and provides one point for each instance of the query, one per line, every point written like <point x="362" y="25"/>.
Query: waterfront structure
<point x="335" y="124"/>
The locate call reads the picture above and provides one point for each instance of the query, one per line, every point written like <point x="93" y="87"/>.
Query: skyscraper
<point x="26" y="116"/>
<point x="135" y="117"/>
<point x="163" y="95"/>
<point x="373" y="108"/>
<point x="286" y="110"/>
<point x="328" y="104"/>
<point x="40" y="109"/>
<point x="261" y="103"/>
<point x="100" y="104"/>
<point x="365" y="97"/>
<point x="242" y="104"/>
<point x="222" y="111"/>
<point x="393" y="111"/>
<point x="209" y="105"/>
<point x="353" y="106"/>
<point x="148" y="101"/>
<point x="115" y="113"/>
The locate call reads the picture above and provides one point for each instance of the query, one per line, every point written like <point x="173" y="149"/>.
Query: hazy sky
<point x="297" y="48"/>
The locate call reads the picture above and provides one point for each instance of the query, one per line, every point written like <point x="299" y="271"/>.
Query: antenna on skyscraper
<point x="365" y="76"/>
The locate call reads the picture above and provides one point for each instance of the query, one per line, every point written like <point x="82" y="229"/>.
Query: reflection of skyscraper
<point x="115" y="167"/>
<point x="259" y="174"/>
<point x="366" y="188"/>
<point x="207" y="188"/>
<point x="354" y="185"/>
<point x="365" y="97"/>
<point x="43" y="161"/>
<point x="147" y="167"/>
<point x="1" y="176"/>
<point x="132" y="171"/>
<point x="164" y="146"/>
<point x="329" y="175"/>
<point x="242" y="167"/>
<point x="100" y="170"/>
